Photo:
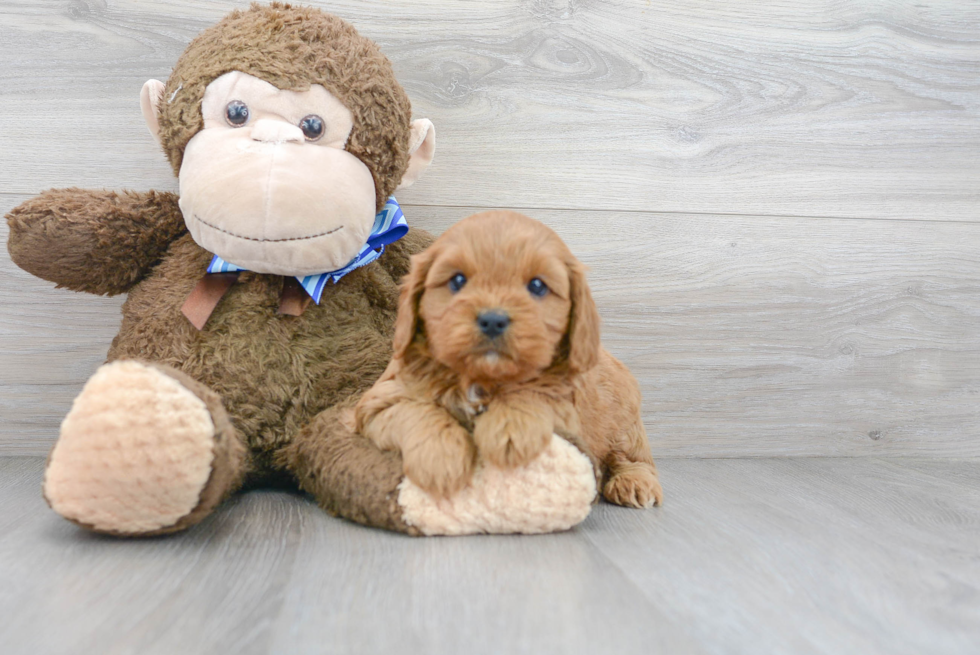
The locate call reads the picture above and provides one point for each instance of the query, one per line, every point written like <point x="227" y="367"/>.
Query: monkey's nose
<point x="268" y="130"/>
<point x="493" y="323"/>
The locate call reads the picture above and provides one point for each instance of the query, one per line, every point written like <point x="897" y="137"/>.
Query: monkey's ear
<point x="421" y="150"/>
<point x="150" y="105"/>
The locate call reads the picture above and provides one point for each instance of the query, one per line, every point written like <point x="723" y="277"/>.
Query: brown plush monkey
<point x="288" y="133"/>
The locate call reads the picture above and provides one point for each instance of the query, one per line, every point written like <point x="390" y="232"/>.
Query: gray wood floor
<point x="780" y="207"/>
<point x="805" y="555"/>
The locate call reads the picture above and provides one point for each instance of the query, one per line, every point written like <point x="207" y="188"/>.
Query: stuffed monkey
<point x="261" y="300"/>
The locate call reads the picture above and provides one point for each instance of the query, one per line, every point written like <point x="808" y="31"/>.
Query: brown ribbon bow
<point x="211" y="288"/>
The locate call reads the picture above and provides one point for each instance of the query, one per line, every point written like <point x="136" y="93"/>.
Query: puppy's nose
<point x="493" y="323"/>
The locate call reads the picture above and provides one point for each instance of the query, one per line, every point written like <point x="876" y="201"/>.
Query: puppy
<point x="496" y="348"/>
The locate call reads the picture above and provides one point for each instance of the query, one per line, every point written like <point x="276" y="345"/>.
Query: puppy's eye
<point x="237" y="113"/>
<point x="457" y="282"/>
<point x="312" y="127"/>
<point x="537" y="287"/>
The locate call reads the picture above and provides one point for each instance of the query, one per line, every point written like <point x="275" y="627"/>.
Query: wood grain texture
<point x="838" y="556"/>
<point x="758" y="336"/>
<point x="865" y="556"/>
<point x="671" y="143"/>
<point x="51" y="341"/>
<point x="857" y="109"/>
<point x="750" y="336"/>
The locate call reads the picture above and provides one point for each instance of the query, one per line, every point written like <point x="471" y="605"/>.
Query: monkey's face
<point x="284" y="161"/>
<point x="267" y="184"/>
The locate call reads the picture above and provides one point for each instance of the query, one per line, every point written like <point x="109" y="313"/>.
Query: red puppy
<point x="497" y="348"/>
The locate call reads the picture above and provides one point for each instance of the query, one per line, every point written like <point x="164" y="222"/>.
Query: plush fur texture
<point x="553" y="492"/>
<point x="292" y="48"/>
<point x="122" y="403"/>
<point x="275" y="387"/>
<point x="262" y="376"/>
<point x="104" y="242"/>
<point x="269" y="374"/>
<point x="456" y="392"/>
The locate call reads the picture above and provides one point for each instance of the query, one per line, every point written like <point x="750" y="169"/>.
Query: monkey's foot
<point x="135" y="452"/>
<point x="553" y="492"/>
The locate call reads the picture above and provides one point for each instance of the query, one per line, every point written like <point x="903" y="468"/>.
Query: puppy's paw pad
<point x="634" y="487"/>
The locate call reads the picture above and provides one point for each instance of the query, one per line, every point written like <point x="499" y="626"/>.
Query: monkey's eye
<point x="457" y="282"/>
<point x="537" y="287"/>
<point x="237" y="113"/>
<point x="312" y="127"/>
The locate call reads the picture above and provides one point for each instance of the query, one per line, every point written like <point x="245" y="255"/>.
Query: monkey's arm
<point x="101" y="242"/>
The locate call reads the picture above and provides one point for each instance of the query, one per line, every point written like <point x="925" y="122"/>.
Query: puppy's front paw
<point x="440" y="463"/>
<point x="509" y="437"/>
<point x="634" y="485"/>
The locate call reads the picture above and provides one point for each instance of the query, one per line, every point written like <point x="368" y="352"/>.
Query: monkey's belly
<point x="274" y="373"/>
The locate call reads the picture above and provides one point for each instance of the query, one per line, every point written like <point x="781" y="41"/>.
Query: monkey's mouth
<point x="247" y="238"/>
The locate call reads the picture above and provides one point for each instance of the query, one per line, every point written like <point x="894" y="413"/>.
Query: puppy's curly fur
<point x="458" y="386"/>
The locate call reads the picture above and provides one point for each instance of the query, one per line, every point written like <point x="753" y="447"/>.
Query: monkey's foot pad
<point x="554" y="492"/>
<point x="134" y="454"/>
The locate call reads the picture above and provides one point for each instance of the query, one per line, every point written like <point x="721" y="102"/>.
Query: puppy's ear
<point x="413" y="285"/>
<point x="583" y="324"/>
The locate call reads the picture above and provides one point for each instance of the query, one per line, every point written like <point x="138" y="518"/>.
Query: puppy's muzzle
<point x="493" y="323"/>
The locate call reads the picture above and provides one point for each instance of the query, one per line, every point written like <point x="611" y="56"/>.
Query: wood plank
<point x="860" y="109"/>
<point x="272" y="573"/>
<point x="759" y="336"/>
<point x="751" y="336"/>
<point x="51" y="341"/>
<point x="378" y="593"/>
<point x="210" y="590"/>
<point x="801" y="555"/>
<point x="809" y="555"/>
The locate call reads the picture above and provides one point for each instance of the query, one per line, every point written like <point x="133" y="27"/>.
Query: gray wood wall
<point x="779" y="202"/>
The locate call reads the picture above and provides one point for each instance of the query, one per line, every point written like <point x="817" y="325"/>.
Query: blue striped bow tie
<point x="389" y="226"/>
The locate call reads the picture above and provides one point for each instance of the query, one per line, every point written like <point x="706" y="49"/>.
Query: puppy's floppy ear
<point x="583" y="323"/>
<point x="408" y="301"/>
